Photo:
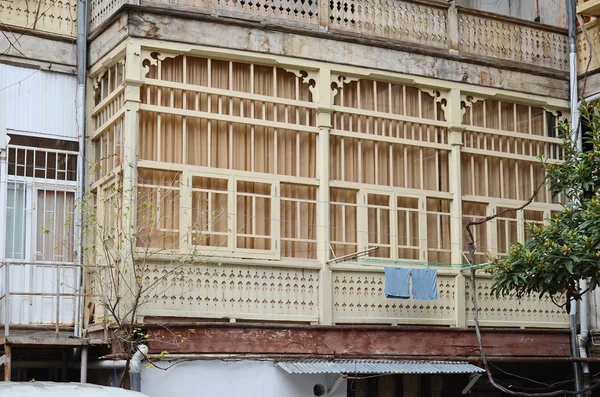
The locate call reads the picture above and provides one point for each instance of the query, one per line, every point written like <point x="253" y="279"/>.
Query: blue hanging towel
<point x="424" y="284"/>
<point x="396" y="283"/>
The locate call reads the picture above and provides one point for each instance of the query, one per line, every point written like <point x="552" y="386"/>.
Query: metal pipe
<point x="135" y="367"/>
<point x="84" y="365"/>
<point x="80" y="108"/>
<point x="574" y="134"/>
<point x="574" y="347"/>
<point x="584" y="327"/>
<point x="274" y="357"/>
<point x="107" y="364"/>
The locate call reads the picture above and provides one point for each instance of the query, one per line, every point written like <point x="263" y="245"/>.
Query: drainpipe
<point x="135" y="367"/>
<point x="584" y="330"/>
<point x="574" y="124"/>
<point x="80" y="109"/>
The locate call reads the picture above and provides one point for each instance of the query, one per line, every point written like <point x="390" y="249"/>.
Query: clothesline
<point x="403" y="262"/>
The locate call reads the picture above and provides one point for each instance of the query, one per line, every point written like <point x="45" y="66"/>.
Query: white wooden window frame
<point x="521" y="222"/>
<point x="363" y="222"/>
<point x="274" y="253"/>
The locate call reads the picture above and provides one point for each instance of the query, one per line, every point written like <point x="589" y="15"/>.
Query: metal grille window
<point x="42" y="163"/>
<point x="40" y="279"/>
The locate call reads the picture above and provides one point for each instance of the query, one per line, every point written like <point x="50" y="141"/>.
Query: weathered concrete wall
<point x="589" y="85"/>
<point x="108" y="38"/>
<point x="57" y="55"/>
<point x="358" y="53"/>
<point x="241" y="378"/>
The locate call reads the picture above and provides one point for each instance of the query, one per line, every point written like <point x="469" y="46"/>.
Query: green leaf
<point x="569" y="266"/>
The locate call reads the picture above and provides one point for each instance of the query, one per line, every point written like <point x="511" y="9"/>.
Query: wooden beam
<point x="373" y="340"/>
<point x="7" y="366"/>
<point x="591" y="8"/>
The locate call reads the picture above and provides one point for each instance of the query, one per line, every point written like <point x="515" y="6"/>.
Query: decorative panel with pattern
<point x="231" y="291"/>
<point x="396" y="20"/>
<point x="504" y="39"/>
<point x="531" y="311"/>
<point x="359" y="297"/>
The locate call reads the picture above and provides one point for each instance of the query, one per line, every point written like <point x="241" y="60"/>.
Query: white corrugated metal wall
<point x="39" y="103"/>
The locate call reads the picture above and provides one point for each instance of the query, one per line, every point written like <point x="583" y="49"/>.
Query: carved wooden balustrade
<point x="283" y="293"/>
<point x="415" y="22"/>
<point x="48" y="16"/>
<point x="588" y="47"/>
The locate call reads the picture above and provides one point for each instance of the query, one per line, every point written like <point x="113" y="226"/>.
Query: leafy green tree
<point x="567" y="248"/>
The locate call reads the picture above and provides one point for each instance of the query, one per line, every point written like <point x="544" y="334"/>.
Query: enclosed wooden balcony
<point x="588" y="35"/>
<point x="254" y="181"/>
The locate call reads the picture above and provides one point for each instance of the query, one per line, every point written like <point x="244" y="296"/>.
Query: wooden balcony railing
<point x="47" y="16"/>
<point x="416" y="22"/>
<point x="588" y="47"/>
<point x="291" y="293"/>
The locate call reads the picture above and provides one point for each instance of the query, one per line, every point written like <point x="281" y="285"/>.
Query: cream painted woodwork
<point x="44" y="16"/>
<point x="438" y="26"/>
<point x="531" y="311"/>
<point x="359" y="297"/>
<point x="588" y="7"/>
<point x="271" y="168"/>
<point x="233" y="291"/>
<point x="588" y="47"/>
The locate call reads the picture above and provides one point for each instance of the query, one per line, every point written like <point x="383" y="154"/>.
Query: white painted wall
<point x="37" y="101"/>
<point x="202" y="378"/>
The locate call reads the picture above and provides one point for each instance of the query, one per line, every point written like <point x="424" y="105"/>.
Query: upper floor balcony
<point x="436" y="27"/>
<point x="588" y="34"/>
<point x="244" y="183"/>
<point x="54" y="17"/>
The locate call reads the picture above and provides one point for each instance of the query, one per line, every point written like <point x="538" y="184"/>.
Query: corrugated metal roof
<point x="377" y="367"/>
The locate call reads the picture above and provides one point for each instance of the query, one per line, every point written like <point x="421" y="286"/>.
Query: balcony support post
<point x="323" y="98"/>
<point x="452" y="28"/>
<point x="454" y="116"/>
<point x="132" y="83"/>
<point x="323" y="15"/>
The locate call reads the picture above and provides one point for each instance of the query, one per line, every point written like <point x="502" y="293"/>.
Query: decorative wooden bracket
<point x="467" y="101"/>
<point x="309" y="77"/>
<point x="338" y="81"/>
<point x="151" y="58"/>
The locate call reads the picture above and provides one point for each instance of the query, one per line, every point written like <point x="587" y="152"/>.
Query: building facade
<point x="274" y="157"/>
<point x="252" y="167"/>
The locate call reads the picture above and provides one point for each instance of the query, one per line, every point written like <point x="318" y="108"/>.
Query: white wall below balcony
<point x="231" y="379"/>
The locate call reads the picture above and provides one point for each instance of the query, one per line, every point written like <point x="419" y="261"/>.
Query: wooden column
<point x="7" y="362"/>
<point x="323" y="98"/>
<point x="452" y="28"/>
<point x="132" y="84"/>
<point x="454" y="117"/>
<point x="324" y="15"/>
